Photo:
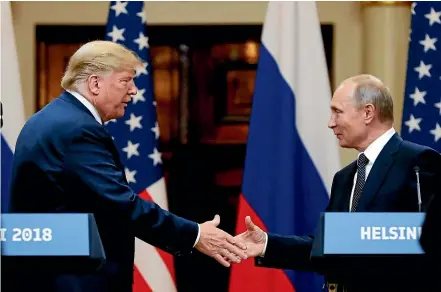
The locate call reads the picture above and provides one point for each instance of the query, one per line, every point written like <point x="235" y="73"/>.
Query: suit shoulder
<point x="61" y="115"/>
<point x="413" y="149"/>
<point x="421" y="155"/>
<point x="59" y="120"/>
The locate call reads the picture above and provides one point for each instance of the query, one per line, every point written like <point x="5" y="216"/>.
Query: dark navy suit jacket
<point x="66" y="162"/>
<point x="390" y="187"/>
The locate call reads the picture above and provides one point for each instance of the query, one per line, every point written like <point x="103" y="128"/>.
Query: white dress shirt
<point x="97" y="117"/>
<point x="372" y="152"/>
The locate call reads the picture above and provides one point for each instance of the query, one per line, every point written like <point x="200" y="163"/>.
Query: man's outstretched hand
<point x="220" y="245"/>
<point x="254" y="238"/>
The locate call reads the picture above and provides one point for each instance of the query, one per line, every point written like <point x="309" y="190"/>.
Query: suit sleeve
<point x="91" y="168"/>
<point x="287" y="252"/>
<point x="430" y="178"/>
<point x="292" y="252"/>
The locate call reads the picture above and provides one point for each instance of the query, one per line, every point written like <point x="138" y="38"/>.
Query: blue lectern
<point x="348" y="241"/>
<point x="64" y="240"/>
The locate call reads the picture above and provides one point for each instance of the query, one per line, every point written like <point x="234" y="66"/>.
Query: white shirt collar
<point x="374" y="149"/>
<point x="87" y="104"/>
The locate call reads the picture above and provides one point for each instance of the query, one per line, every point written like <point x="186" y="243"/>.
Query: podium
<point x="347" y="242"/>
<point x="64" y="240"/>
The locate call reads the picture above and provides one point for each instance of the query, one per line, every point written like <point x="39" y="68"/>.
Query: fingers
<point x="250" y="225"/>
<point x="236" y="251"/>
<point x="236" y="242"/>
<point x="216" y="220"/>
<point x="221" y="260"/>
<point x="229" y="257"/>
<point x="225" y="258"/>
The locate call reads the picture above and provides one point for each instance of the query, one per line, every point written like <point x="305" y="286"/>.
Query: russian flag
<point x="291" y="154"/>
<point x="12" y="114"/>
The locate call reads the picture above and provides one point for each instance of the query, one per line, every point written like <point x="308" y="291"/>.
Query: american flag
<point x="136" y="136"/>
<point x="422" y="102"/>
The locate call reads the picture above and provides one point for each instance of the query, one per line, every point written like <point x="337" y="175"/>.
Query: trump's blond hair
<point x="98" y="58"/>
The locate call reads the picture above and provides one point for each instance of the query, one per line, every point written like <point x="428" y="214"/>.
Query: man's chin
<point x="343" y="144"/>
<point x="116" y="116"/>
<point x="120" y="114"/>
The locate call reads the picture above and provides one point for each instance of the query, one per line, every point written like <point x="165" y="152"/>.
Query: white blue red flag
<point x="12" y="111"/>
<point x="136" y="136"/>
<point x="291" y="155"/>
<point x="421" y="121"/>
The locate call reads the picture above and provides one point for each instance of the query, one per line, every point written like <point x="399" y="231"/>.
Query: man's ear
<point x="369" y="112"/>
<point x="93" y="84"/>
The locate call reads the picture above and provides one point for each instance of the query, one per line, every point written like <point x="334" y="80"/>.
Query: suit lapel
<point x="114" y="149"/>
<point x="343" y="204"/>
<point x="378" y="173"/>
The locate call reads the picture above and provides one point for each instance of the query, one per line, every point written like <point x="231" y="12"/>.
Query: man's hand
<point x="220" y="245"/>
<point x="254" y="238"/>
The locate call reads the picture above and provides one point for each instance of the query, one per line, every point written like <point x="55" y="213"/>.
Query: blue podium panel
<point x="371" y="233"/>
<point x="50" y="235"/>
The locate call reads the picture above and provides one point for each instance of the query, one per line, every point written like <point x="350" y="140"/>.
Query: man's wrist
<point x="262" y="254"/>
<point x="199" y="235"/>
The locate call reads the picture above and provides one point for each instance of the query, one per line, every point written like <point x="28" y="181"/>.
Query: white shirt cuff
<point x="264" y="248"/>
<point x="197" y="238"/>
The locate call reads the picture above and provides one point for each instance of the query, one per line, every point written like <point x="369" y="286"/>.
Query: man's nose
<point x="133" y="90"/>
<point x="331" y="123"/>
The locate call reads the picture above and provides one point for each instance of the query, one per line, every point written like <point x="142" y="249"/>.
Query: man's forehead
<point x="341" y="100"/>
<point x="337" y="104"/>
<point x="344" y="91"/>
<point x="126" y="73"/>
<point x="342" y="97"/>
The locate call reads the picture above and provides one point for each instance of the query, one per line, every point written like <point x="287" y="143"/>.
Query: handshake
<point x="227" y="249"/>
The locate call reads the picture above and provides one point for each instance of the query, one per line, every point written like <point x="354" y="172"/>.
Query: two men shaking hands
<point x="227" y="249"/>
<point x="65" y="152"/>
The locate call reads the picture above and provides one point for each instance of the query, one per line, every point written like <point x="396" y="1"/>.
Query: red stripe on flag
<point x="139" y="284"/>
<point x="145" y="195"/>
<point x="166" y="257"/>
<point x="246" y="276"/>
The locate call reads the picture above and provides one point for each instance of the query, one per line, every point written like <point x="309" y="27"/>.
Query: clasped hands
<point x="227" y="249"/>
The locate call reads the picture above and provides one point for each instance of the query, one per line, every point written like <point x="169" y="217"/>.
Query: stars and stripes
<point x="422" y="102"/>
<point x="136" y="136"/>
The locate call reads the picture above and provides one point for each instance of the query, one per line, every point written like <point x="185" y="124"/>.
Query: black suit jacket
<point x="66" y="162"/>
<point x="431" y="232"/>
<point x="390" y="187"/>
